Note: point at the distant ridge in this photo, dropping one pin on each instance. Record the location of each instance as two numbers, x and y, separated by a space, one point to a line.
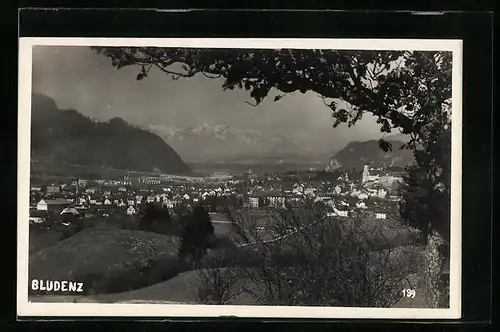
357 154
68 137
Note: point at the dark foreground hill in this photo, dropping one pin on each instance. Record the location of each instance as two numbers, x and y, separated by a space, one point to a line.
68 137
357 154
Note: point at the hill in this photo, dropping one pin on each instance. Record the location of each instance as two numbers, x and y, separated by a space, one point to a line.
357 154
68 137
108 260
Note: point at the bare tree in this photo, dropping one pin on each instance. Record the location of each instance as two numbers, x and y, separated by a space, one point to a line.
218 283
318 260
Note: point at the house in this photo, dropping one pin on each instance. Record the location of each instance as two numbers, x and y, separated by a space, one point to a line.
38 216
294 199
52 205
253 201
169 204
338 190
361 205
362 196
380 216
310 191
53 189
107 202
275 198
69 211
131 210
341 213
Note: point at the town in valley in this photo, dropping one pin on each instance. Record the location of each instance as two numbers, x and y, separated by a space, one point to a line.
373 190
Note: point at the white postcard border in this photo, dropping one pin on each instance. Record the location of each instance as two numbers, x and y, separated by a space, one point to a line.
26 308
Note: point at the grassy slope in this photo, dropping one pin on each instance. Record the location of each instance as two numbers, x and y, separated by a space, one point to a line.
41 240
99 251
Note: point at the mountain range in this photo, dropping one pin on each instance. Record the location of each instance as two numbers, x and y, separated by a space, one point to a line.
68 137
226 144
223 143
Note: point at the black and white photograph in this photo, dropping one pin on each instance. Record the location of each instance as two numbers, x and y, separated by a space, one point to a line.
315 178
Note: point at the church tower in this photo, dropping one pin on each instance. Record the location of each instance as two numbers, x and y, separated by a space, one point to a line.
366 174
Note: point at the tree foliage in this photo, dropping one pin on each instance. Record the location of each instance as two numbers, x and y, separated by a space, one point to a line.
425 191
155 218
197 233
403 89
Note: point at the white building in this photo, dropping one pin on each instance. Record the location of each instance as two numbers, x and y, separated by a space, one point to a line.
131 210
366 175
54 205
338 190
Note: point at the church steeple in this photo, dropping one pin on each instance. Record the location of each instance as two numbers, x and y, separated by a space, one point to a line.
366 174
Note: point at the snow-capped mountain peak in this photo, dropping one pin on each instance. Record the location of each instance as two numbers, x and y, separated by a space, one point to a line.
221 140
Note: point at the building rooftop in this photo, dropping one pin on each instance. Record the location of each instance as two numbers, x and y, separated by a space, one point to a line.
55 201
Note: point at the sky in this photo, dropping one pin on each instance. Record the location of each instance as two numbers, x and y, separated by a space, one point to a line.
78 78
